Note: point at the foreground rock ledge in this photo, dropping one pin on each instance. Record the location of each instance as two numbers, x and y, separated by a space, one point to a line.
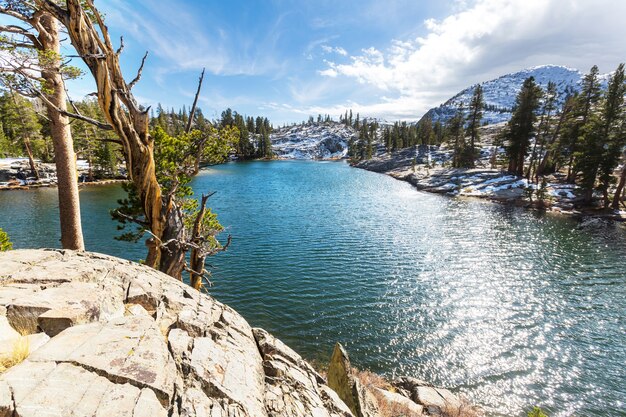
108 337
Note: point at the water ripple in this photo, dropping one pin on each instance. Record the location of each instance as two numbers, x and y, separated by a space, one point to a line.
511 308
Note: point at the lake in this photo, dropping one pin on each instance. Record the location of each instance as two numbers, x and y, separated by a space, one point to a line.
510 307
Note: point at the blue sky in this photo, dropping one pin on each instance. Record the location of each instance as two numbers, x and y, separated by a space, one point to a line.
391 59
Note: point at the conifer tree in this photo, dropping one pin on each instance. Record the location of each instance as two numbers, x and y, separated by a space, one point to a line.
473 123
425 131
36 68
543 131
5 243
521 128
456 135
602 139
585 104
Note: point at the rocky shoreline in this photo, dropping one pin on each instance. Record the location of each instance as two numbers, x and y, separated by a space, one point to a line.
86 334
15 174
425 168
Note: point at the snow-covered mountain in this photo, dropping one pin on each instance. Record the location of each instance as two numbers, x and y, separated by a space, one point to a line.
315 141
500 94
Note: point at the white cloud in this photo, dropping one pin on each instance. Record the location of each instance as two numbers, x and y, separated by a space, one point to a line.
483 39
334 50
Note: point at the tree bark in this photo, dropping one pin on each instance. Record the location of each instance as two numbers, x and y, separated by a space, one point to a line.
65 158
192 112
31 160
131 124
620 188
196 258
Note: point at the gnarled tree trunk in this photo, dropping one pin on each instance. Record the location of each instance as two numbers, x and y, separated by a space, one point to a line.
131 124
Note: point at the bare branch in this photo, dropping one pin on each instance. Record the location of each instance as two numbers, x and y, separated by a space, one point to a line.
222 249
195 103
121 48
132 219
139 71
13 13
95 56
18 30
103 27
116 141
51 7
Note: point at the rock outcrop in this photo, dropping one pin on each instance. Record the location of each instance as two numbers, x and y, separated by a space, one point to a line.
84 334
341 379
316 141
113 338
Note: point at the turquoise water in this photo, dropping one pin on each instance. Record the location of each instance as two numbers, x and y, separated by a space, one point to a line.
509 307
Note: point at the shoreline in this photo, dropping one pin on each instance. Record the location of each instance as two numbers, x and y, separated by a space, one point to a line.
439 182
27 187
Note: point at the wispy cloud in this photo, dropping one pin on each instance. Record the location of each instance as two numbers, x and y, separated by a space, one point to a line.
184 42
334 50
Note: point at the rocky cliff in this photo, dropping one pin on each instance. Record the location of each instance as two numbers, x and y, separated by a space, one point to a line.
84 334
315 141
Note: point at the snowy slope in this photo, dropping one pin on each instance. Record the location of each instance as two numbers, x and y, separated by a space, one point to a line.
501 92
316 141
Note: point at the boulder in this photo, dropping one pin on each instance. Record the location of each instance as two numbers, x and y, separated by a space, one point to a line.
293 386
435 401
396 404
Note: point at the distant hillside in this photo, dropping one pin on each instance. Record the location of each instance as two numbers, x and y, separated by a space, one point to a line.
314 141
500 93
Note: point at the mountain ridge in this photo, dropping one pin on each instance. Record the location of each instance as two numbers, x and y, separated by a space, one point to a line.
500 93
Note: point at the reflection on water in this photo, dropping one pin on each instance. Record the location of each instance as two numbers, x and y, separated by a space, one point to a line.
509 307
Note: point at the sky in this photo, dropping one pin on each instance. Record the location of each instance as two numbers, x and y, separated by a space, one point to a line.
390 59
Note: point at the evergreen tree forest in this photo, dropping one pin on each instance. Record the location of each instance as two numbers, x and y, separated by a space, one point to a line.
584 139
580 137
25 132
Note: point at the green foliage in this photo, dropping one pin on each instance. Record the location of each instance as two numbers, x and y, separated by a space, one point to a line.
20 124
173 156
175 162
521 127
210 227
536 412
24 54
95 145
601 136
456 136
542 191
467 154
5 243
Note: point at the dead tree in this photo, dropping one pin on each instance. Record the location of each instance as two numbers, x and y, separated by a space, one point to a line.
202 243
162 215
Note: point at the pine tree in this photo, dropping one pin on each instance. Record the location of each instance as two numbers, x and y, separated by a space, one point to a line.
21 126
549 105
521 127
267 145
425 131
473 124
456 136
585 104
602 139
